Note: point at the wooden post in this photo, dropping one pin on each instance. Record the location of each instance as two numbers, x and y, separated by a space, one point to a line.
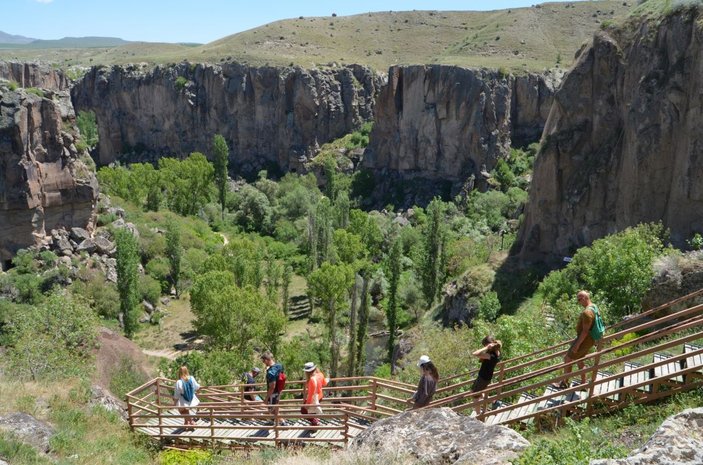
161 423
346 428
212 429
275 427
374 388
241 394
501 377
129 413
158 392
594 375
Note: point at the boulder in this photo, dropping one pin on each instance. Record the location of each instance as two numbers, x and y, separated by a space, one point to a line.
442 436
87 245
678 441
28 429
100 396
79 234
104 246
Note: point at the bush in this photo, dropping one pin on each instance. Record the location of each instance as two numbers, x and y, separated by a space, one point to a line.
35 91
149 290
88 127
185 457
181 83
489 306
53 339
100 294
13 85
617 267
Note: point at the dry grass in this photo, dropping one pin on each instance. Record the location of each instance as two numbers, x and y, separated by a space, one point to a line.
170 333
520 39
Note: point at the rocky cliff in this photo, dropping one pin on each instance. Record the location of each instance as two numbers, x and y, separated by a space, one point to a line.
445 124
270 117
39 75
623 143
43 183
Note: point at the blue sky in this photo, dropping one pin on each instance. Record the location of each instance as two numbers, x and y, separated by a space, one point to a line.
191 20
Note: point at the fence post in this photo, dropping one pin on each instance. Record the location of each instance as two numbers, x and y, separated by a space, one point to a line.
212 429
275 427
594 375
501 377
241 394
129 413
374 388
161 422
346 428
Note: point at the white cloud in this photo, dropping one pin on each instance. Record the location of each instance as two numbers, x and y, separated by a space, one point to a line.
44 1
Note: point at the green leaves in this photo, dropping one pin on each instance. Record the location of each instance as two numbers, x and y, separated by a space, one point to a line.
127 259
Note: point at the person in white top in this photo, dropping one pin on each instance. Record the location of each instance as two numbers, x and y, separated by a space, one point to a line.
184 395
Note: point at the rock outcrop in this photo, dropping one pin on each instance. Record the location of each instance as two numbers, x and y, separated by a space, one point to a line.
43 183
623 143
41 75
678 441
442 436
28 429
270 117
438 127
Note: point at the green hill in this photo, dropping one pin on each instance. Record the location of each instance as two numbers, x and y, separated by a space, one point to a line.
522 38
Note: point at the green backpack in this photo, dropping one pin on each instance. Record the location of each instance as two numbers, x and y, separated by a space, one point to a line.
598 327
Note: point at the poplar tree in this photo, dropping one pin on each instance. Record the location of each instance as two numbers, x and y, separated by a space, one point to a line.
220 162
127 275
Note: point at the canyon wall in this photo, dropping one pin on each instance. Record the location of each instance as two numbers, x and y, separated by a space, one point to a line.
271 117
40 75
43 183
438 126
623 143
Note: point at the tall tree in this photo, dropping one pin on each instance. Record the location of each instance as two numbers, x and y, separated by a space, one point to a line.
331 283
220 159
363 322
127 275
188 182
392 309
285 287
434 238
352 325
174 253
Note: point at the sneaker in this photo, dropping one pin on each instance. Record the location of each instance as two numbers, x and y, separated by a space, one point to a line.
559 386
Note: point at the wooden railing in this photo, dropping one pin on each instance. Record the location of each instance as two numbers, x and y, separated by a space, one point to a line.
350 404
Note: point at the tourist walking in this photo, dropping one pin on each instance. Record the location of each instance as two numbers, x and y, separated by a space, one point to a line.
184 395
314 382
275 381
584 339
250 381
427 385
489 355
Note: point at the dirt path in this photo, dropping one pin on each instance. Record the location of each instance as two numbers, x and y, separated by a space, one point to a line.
224 238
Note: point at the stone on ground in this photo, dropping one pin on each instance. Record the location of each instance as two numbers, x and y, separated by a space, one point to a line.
28 429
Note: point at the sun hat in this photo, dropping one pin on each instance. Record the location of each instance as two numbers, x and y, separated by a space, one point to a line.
424 359
256 370
308 367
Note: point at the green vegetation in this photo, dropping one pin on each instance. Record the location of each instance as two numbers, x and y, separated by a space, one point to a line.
127 280
88 127
35 91
530 38
181 83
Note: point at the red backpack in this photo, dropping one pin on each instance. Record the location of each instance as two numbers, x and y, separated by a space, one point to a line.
280 382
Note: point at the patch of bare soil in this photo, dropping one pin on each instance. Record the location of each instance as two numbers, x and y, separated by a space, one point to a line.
113 350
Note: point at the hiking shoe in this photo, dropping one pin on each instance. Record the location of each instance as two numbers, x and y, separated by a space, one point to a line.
559 386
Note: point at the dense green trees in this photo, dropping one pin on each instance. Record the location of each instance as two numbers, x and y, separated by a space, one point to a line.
435 241
127 260
220 161
88 127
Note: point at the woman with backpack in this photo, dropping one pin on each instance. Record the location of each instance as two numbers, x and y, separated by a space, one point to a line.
427 385
489 355
184 395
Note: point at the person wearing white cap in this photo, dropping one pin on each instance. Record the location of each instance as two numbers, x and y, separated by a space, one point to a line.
314 383
427 385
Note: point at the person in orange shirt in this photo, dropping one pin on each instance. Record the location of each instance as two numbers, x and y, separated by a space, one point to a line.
315 381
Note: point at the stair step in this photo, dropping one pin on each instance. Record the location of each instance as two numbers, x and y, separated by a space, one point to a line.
635 378
694 360
609 386
551 402
668 370
501 417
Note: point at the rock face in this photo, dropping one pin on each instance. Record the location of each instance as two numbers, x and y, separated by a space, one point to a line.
28 429
623 143
43 183
446 124
678 441
270 117
442 436
39 75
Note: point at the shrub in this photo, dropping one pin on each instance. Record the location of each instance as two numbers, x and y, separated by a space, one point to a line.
88 127
36 91
185 457
100 294
181 83
12 85
149 289
617 267
489 306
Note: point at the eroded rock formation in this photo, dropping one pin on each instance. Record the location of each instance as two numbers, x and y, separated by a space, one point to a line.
39 75
623 143
270 117
440 435
678 441
43 183
442 125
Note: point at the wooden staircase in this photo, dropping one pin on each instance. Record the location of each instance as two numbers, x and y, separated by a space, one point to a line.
665 358
299 307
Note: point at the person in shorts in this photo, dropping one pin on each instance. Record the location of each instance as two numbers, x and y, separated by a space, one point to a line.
583 342
489 355
250 381
273 370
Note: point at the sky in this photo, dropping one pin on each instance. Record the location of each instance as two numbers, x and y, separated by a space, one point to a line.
199 21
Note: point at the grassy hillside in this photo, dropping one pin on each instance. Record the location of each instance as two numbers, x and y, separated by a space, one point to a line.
525 38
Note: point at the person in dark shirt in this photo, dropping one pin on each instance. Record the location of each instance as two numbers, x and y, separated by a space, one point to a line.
489 355
427 385
250 380
273 370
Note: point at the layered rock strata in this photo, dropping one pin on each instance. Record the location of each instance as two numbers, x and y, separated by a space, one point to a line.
623 143
270 117
446 125
39 75
43 183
